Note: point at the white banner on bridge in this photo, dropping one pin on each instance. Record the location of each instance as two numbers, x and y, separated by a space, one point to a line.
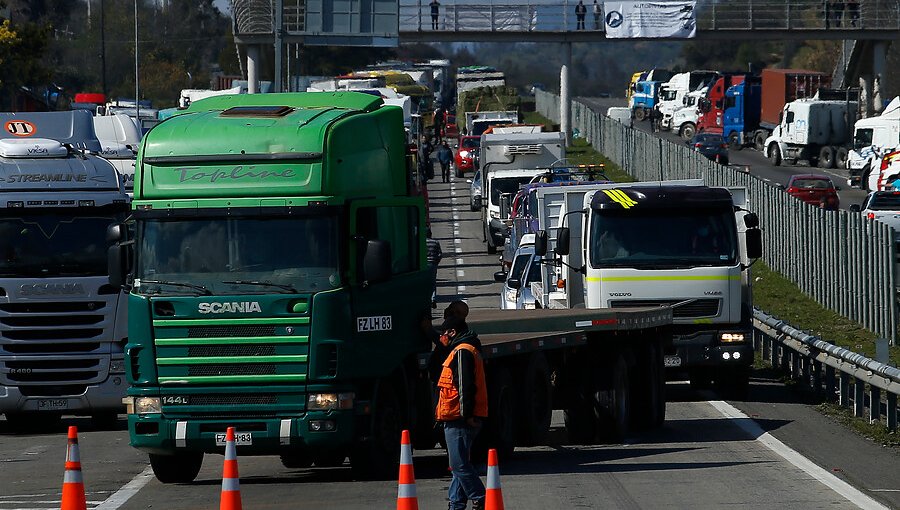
660 19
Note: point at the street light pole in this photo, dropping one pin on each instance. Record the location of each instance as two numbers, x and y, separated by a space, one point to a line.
137 103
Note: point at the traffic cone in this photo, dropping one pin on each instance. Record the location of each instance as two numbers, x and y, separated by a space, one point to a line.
231 485
73 484
493 497
406 491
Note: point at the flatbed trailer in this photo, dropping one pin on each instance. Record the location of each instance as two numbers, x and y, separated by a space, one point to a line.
603 367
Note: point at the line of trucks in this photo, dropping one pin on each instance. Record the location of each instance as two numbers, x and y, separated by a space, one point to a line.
789 114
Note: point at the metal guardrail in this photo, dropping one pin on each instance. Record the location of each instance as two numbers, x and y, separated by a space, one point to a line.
844 261
868 387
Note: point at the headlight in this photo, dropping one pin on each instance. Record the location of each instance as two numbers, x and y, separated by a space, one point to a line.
116 366
464 154
731 338
329 401
511 295
495 215
146 405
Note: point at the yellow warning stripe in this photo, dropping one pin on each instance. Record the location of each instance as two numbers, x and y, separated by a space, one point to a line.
618 196
736 277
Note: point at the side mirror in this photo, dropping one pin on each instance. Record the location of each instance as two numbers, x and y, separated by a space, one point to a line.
562 241
478 202
504 206
514 283
117 265
751 220
540 243
116 233
855 208
837 188
754 243
377 261
499 277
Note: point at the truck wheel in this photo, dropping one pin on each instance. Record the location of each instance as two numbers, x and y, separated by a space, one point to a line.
734 141
826 157
640 114
734 383
378 456
614 421
500 428
759 140
179 468
650 391
580 418
300 460
687 131
536 407
424 432
840 157
775 154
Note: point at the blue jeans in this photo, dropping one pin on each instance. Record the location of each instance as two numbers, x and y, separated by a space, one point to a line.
465 485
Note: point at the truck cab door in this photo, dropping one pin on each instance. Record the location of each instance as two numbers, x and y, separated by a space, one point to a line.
386 314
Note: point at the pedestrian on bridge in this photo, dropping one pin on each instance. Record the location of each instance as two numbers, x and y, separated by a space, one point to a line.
580 12
853 12
435 12
598 14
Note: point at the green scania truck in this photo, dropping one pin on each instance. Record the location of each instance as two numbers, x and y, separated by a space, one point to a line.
276 276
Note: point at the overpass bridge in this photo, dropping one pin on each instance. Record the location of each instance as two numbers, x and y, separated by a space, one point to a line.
259 25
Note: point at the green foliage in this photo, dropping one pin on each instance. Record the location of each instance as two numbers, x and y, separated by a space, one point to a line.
484 99
20 58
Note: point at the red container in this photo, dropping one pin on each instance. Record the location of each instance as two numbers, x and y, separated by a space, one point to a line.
90 97
781 86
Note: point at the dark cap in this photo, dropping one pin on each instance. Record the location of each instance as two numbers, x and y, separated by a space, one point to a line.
454 322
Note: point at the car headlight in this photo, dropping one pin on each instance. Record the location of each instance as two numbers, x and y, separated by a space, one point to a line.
495 215
147 405
116 366
464 154
329 401
511 295
731 338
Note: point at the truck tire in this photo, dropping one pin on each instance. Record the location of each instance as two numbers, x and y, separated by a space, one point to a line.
840 157
300 460
499 430
734 142
650 390
640 114
580 418
774 154
826 157
377 458
616 399
536 405
181 467
759 140
687 131
733 383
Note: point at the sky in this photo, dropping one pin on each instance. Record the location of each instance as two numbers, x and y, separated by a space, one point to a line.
224 6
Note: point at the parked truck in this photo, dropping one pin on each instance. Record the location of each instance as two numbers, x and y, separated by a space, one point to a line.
119 140
673 92
644 99
684 120
712 106
873 138
62 326
671 243
507 162
283 292
813 130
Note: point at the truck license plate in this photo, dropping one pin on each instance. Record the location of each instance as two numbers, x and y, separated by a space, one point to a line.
53 404
672 361
240 438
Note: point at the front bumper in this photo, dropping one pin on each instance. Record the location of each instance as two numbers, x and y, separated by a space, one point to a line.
103 397
158 434
703 349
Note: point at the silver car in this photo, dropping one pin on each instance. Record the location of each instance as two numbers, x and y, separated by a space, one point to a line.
475 194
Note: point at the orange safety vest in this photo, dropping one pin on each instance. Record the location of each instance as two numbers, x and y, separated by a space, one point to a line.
448 401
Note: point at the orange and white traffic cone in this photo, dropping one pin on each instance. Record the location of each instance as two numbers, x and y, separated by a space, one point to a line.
406 491
493 498
231 485
73 484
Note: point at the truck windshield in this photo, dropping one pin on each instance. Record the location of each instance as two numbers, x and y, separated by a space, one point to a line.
37 243
503 185
245 255
663 239
862 138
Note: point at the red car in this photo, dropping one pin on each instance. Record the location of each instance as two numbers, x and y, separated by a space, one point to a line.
817 190
467 154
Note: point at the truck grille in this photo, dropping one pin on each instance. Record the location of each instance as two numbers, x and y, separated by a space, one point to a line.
54 348
694 309
232 331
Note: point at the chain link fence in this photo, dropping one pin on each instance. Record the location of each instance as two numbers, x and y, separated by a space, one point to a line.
844 261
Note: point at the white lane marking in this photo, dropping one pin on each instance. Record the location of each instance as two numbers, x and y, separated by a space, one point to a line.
459 261
459 250
452 192
460 288
127 491
457 241
460 272
455 216
852 494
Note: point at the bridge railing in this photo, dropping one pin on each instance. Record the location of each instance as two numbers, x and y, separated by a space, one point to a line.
844 261
559 16
868 387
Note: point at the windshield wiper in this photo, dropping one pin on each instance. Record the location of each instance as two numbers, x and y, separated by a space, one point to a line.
284 286
199 288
